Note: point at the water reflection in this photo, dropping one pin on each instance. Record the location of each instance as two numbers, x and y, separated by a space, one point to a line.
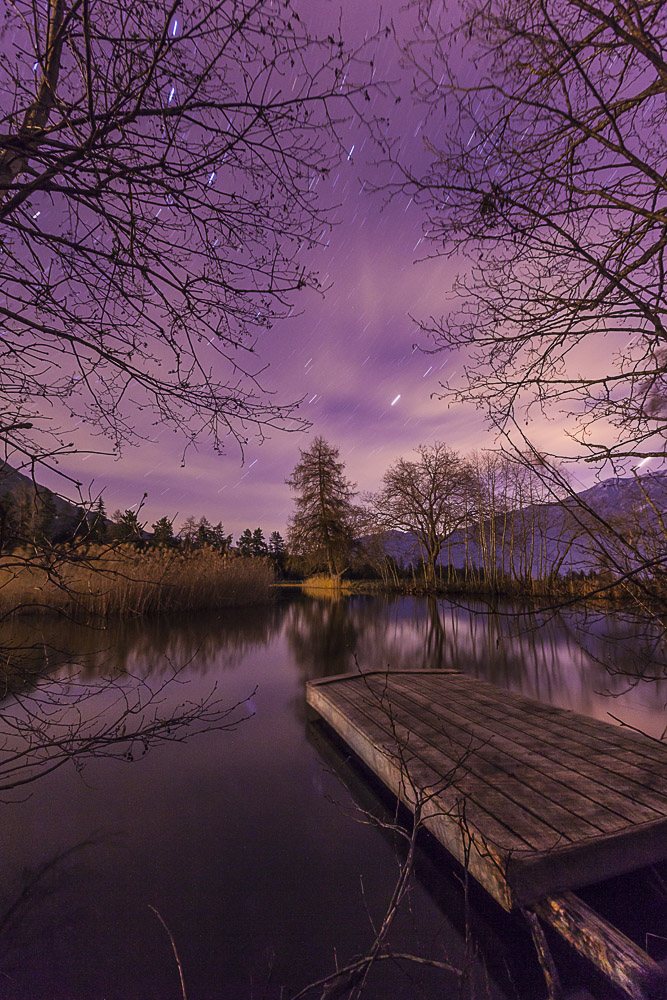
141 646
581 660
242 840
586 661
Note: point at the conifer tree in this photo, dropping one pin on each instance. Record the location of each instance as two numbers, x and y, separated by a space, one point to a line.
98 523
259 545
127 526
245 543
220 540
163 531
276 545
322 528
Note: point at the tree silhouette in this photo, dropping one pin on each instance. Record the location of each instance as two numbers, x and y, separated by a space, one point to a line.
163 532
321 530
158 163
550 184
429 497
126 526
245 543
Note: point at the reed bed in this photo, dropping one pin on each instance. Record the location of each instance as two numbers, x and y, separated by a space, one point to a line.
323 585
124 581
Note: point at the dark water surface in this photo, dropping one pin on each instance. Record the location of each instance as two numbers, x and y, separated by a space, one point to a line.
250 844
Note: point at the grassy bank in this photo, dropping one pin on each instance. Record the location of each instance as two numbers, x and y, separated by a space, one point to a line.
552 589
126 581
595 588
328 584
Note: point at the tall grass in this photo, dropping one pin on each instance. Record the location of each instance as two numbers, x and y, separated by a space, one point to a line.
323 585
125 581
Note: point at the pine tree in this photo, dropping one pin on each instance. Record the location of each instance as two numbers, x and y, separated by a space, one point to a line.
204 532
277 550
259 546
163 531
98 523
322 528
276 545
127 526
220 541
245 543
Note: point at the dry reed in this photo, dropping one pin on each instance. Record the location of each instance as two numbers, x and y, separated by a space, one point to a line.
126 581
326 584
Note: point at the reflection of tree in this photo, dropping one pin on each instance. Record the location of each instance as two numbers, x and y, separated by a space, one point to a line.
123 692
154 644
68 719
205 642
434 648
575 658
29 911
323 636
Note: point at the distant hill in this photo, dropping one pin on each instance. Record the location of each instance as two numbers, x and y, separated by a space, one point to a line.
67 513
566 537
614 496
11 480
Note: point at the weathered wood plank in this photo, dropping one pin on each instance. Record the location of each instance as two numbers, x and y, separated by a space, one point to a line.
628 775
450 777
611 951
448 743
496 777
483 864
614 790
545 778
646 754
522 785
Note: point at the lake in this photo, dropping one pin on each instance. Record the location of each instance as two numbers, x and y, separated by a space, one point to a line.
253 847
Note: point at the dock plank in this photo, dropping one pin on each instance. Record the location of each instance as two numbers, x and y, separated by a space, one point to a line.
533 794
451 770
649 756
534 799
623 789
627 772
546 777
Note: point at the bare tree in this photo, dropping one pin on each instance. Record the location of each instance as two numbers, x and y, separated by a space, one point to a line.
429 497
158 171
550 179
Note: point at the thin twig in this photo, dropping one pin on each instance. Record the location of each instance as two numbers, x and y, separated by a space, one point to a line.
173 948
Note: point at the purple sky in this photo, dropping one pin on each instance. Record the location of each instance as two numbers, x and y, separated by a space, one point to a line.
350 353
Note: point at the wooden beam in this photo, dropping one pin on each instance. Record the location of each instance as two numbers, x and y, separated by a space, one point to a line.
547 964
615 955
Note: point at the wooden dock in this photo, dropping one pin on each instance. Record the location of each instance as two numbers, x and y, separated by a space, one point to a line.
535 801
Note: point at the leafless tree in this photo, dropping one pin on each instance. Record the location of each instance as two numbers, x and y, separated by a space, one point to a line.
429 497
159 165
549 177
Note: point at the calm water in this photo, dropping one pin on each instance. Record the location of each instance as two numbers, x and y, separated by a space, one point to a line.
251 843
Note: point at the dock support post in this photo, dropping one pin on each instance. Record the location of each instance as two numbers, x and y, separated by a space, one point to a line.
619 958
547 964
